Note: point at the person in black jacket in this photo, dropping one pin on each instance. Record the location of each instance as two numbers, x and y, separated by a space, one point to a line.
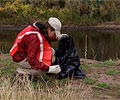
68 59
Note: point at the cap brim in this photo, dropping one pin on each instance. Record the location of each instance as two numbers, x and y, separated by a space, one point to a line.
58 33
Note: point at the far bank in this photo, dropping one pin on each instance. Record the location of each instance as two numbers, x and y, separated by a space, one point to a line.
99 27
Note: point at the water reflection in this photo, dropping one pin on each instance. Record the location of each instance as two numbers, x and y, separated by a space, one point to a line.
99 45
89 44
6 40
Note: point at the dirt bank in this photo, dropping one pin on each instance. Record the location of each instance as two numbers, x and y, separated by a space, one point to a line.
102 80
91 28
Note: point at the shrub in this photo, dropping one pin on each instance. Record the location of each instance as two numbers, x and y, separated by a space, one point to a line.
69 11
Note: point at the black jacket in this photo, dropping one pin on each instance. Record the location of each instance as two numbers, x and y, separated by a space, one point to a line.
68 59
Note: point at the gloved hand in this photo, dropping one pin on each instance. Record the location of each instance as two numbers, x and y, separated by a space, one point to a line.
55 69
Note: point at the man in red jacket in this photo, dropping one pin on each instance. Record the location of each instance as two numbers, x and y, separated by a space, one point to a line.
32 49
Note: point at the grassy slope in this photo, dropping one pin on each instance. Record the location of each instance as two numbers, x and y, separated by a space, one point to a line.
102 82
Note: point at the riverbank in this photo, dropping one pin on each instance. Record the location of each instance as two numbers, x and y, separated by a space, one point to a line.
102 82
100 27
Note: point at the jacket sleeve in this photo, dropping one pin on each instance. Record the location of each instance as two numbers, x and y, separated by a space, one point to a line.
32 45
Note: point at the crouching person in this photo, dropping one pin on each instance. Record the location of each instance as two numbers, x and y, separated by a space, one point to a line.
68 59
32 49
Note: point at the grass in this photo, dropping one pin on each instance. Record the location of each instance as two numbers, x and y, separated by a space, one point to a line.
110 72
7 66
106 63
17 88
85 67
88 80
21 88
102 85
113 91
25 90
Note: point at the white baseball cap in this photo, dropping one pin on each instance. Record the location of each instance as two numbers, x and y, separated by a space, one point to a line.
56 24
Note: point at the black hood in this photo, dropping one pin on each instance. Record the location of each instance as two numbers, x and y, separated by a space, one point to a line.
41 27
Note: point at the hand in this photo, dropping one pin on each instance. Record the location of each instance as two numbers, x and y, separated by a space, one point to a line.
55 69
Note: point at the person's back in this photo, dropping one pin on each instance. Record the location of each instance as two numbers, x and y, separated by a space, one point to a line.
32 46
25 43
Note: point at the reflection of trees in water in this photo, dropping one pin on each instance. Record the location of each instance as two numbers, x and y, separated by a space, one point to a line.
100 45
89 44
97 43
103 44
6 40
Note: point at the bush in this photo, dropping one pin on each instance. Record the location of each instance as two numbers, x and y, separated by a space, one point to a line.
69 11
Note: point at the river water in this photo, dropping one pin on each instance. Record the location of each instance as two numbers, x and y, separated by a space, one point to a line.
89 44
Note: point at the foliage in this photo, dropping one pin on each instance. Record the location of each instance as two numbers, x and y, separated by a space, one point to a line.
69 11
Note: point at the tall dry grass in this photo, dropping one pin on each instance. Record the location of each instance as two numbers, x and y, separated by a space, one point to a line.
24 90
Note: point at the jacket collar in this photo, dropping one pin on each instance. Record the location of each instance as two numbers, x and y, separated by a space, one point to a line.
34 24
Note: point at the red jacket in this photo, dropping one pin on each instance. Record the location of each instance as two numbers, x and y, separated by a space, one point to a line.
32 44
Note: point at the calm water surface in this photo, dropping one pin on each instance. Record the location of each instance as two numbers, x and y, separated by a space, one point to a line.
89 44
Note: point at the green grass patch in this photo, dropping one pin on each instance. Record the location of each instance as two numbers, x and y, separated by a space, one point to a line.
106 63
7 66
110 72
88 80
6 61
102 85
84 67
114 91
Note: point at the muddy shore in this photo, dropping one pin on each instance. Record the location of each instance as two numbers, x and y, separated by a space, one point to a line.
113 28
